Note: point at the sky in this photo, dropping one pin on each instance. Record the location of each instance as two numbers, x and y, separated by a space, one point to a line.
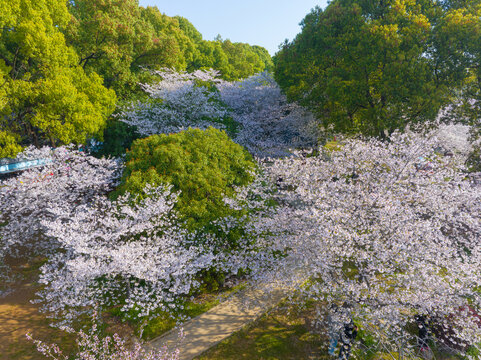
258 22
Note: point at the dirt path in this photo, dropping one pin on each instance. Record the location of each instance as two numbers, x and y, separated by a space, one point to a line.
18 317
208 329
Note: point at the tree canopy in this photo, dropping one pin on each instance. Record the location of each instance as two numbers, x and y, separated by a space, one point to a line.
116 39
374 65
45 96
205 165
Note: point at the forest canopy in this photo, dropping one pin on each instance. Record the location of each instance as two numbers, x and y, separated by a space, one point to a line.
65 65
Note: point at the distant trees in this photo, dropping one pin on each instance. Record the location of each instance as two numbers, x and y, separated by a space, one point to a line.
178 101
58 60
371 66
254 112
116 38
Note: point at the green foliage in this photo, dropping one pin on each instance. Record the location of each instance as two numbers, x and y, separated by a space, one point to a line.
189 29
367 348
117 39
473 352
210 55
457 42
283 333
57 58
234 60
44 95
204 165
117 138
174 48
366 66
474 160
244 60
9 146
265 57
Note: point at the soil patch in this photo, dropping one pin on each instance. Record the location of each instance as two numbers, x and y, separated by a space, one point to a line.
19 317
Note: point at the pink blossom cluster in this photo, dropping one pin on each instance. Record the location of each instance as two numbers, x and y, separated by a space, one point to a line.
267 125
72 178
382 235
270 126
178 101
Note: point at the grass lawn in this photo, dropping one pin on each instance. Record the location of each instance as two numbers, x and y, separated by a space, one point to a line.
284 333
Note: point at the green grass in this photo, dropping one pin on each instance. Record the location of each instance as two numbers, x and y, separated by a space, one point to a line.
285 333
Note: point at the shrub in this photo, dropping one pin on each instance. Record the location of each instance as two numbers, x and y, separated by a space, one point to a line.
205 165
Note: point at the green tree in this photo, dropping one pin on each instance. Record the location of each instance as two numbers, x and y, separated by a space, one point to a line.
369 66
457 42
210 55
117 38
44 95
244 61
117 138
104 33
265 57
189 29
179 48
205 165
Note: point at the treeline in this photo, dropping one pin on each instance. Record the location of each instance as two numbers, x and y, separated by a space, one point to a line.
65 65
374 66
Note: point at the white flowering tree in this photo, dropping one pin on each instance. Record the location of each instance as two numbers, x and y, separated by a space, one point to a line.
269 126
123 252
254 111
135 253
69 178
392 230
178 101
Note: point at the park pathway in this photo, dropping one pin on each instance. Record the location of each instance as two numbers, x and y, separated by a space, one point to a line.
215 325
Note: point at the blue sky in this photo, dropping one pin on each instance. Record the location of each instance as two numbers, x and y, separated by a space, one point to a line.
257 22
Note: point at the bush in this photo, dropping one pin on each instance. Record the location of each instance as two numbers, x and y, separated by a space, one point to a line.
205 165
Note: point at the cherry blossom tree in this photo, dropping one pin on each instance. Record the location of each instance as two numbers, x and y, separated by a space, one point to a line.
392 230
136 253
178 101
69 178
266 124
269 125
123 252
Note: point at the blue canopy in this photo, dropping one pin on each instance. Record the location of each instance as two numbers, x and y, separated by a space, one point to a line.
19 165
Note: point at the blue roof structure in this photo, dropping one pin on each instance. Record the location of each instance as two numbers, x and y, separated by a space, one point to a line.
13 165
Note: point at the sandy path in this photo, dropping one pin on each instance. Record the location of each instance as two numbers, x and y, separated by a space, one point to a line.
17 317
215 325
